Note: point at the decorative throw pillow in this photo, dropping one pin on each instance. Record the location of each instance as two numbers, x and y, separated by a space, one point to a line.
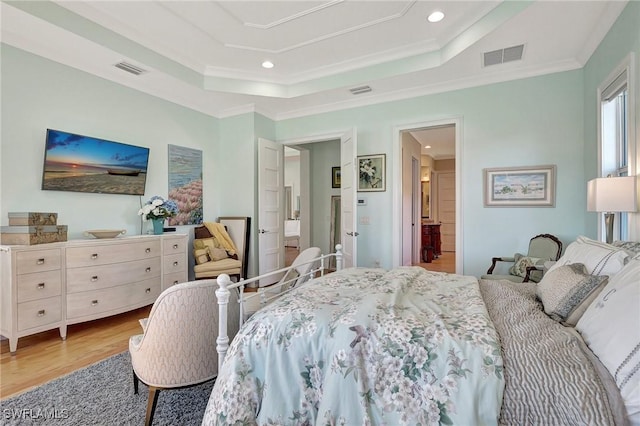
599 258
610 329
201 255
566 292
631 247
519 268
201 243
218 254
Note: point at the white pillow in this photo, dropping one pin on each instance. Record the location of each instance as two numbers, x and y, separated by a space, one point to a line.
611 328
599 258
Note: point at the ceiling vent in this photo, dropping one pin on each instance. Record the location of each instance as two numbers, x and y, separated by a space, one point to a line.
360 90
133 69
500 56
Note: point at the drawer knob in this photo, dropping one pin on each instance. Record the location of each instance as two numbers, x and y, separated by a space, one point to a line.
148 291
148 269
175 247
148 250
40 286
175 263
41 313
94 303
94 278
40 261
94 256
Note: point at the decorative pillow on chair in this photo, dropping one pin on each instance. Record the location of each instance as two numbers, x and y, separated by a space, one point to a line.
599 258
201 255
201 243
519 268
217 254
567 291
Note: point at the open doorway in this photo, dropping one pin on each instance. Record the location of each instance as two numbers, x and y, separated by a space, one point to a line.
434 223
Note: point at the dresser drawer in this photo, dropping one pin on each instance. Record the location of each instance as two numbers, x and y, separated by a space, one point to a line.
40 312
39 285
37 261
174 263
174 245
104 276
111 253
172 279
93 303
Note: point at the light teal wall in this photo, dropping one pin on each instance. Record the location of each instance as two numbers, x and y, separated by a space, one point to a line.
237 165
623 38
38 94
323 156
526 122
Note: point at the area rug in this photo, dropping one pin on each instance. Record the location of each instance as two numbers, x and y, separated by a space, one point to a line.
102 394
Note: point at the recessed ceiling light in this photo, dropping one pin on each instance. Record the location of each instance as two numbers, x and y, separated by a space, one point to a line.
427 146
436 16
267 64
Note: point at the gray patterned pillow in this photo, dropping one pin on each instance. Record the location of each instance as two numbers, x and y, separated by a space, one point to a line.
631 247
567 291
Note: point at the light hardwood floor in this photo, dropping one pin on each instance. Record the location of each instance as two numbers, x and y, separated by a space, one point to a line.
43 357
446 262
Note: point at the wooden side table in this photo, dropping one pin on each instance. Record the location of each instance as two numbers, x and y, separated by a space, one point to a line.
431 243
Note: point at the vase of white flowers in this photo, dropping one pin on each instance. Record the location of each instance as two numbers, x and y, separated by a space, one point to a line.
157 210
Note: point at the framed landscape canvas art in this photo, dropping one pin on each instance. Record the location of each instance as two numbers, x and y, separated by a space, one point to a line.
520 186
185 184
372 173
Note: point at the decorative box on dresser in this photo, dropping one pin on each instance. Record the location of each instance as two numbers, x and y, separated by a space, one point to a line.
57 284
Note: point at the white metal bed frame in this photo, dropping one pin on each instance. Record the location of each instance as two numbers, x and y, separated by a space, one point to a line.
266 294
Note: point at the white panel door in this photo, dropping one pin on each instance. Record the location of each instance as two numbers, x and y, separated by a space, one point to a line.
348 182
447 209
411 201
270 207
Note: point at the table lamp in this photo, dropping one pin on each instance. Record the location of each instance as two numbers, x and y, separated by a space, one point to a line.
610 195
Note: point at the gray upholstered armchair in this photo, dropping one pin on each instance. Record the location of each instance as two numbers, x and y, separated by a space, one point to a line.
178 345
529 267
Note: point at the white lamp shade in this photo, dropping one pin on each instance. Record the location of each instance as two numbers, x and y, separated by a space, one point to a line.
612 194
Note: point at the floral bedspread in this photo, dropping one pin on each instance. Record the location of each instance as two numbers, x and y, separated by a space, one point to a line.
365 347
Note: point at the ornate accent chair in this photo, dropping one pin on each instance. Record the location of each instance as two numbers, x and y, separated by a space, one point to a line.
528 267
178 345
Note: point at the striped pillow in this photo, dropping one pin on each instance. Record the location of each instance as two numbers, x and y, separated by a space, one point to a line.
567 291
599 258
610 329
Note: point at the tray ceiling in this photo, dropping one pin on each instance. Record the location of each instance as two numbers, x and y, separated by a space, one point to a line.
207 55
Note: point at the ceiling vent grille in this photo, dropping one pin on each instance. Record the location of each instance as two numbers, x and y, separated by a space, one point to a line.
133 69
500 56
360 90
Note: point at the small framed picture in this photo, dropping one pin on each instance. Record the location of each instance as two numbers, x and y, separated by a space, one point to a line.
520 186
335 177
372 173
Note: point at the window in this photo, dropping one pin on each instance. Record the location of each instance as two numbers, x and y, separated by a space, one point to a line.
614 112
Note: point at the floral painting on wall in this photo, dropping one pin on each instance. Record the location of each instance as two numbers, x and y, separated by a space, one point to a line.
372 173
185 184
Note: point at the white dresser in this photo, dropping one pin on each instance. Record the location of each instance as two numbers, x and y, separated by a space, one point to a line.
53 285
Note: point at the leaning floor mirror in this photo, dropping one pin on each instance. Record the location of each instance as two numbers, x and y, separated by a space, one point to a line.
239 228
